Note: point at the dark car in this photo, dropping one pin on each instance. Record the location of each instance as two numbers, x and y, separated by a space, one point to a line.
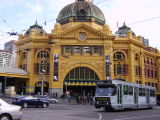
29 101
47 98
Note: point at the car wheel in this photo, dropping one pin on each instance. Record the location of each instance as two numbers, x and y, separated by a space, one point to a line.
5 117
53 102
25 105
44 105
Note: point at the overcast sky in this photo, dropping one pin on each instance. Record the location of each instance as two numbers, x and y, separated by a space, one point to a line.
143 16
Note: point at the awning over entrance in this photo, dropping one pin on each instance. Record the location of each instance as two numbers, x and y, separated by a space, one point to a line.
13 72
80 83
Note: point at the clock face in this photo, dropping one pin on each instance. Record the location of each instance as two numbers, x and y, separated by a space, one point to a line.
82 36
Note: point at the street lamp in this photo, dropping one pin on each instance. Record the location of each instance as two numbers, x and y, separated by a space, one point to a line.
43 72
43 75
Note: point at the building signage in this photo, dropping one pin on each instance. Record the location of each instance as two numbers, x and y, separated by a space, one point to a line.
56 58
107 61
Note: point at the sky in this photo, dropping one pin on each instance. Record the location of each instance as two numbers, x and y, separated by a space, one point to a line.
142 16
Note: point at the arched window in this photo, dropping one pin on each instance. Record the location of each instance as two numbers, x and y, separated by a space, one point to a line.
43 54
151 61
44 65
147 60
137 58
81 73
23 64
24 56
42 62
119 56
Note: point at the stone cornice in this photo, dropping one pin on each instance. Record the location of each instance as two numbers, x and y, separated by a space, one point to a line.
128 41
83 26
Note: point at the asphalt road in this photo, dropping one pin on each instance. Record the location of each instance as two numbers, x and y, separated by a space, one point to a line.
72 111
86 112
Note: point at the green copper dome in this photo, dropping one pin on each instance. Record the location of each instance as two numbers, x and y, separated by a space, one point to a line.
122 31
81 11
36 27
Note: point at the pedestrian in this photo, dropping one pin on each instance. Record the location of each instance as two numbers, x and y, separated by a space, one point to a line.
78 98
68 96
56 95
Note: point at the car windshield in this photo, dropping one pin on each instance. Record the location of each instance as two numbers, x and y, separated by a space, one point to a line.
105 91
29 97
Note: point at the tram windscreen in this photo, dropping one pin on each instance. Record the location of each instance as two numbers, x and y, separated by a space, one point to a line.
105 90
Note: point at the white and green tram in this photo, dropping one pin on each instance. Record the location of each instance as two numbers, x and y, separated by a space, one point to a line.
119 95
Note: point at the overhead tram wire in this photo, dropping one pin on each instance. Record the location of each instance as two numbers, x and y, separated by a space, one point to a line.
12 33
148 19
4 21
141 21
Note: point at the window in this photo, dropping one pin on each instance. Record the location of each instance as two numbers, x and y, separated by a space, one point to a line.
125 89
140 91
152 93
151 62
67 49
77 49
137 57
24 56
155 74
81 73
119 69
96 50
130 90
86 49
148 72
43 54
119 56
147 60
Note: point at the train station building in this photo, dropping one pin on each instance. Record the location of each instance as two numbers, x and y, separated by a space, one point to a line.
73 56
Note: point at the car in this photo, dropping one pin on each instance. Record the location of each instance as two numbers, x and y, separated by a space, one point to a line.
47 98
30 101
9 112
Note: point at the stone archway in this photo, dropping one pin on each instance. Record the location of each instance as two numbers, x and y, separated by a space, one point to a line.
81 80
38 86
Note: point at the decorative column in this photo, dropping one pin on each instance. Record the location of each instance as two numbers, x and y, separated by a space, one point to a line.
131 66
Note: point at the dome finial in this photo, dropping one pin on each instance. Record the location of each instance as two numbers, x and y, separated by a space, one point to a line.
36 23
124 23
85 0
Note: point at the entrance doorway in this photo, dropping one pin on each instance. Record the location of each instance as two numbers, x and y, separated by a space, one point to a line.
80 90
38 86
81 80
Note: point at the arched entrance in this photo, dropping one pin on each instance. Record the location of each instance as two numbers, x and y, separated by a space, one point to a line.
38 86
81 80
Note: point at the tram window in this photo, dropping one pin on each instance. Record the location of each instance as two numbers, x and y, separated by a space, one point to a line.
125 89
140 91
152 93
106 91
130 90
143 92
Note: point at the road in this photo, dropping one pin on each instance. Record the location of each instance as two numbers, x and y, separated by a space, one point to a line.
72 111
86 112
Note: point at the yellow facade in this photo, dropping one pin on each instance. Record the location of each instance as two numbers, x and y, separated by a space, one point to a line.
135 55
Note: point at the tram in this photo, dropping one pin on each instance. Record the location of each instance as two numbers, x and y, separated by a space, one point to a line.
120 95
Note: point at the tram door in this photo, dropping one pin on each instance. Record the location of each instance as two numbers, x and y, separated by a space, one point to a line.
119 95
147 97
136 97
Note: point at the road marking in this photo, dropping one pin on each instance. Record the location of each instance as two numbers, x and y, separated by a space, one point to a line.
137 117
100 116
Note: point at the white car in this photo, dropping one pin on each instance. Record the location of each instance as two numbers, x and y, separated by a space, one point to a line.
9 112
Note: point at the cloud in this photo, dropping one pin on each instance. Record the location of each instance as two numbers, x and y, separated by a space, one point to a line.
34 8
